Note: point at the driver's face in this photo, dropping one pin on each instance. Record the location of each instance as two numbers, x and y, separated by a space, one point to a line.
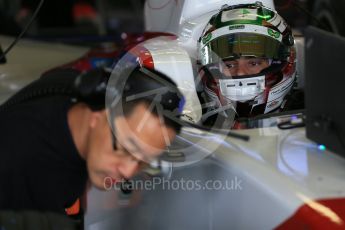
243 66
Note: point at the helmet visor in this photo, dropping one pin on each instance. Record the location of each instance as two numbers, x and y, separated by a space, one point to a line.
234 46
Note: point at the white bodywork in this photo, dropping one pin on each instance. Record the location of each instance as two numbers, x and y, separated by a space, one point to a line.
170 58
171 15
279 171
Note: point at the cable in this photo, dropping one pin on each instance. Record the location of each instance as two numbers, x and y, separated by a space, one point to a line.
23 31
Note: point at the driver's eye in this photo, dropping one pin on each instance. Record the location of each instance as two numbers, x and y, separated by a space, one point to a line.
230 65
255 63
259 62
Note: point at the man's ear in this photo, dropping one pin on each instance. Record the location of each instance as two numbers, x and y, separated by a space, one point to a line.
97 118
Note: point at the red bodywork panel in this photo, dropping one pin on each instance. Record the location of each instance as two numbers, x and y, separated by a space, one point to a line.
318 215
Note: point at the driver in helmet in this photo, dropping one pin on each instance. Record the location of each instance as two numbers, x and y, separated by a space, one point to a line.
248 62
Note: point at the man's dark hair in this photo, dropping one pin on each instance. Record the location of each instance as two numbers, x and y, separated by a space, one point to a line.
157 91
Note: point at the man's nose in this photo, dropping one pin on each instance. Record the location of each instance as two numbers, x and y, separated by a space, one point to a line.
241 70
129 168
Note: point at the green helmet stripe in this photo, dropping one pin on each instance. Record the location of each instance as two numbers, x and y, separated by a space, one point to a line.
240 28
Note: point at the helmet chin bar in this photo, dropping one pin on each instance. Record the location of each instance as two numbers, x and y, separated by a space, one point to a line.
243 89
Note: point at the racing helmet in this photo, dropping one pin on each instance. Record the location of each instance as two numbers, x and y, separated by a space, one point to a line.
247 57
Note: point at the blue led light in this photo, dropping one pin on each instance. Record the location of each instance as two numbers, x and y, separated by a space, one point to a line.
294 117
322 147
